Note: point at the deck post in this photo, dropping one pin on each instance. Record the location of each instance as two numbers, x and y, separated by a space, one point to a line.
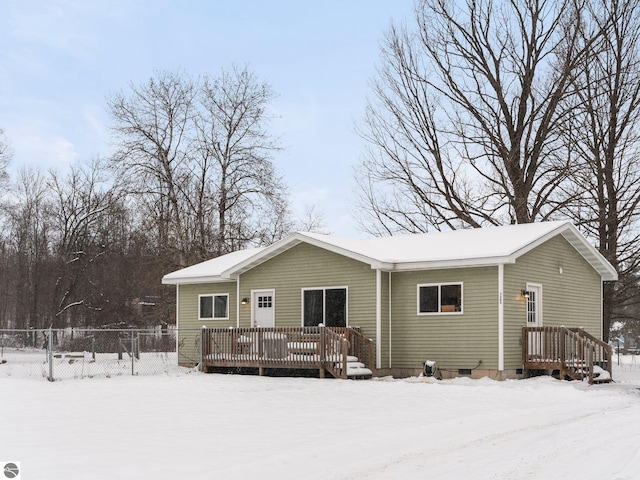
323 347
202 348
525 346
261 371
562 338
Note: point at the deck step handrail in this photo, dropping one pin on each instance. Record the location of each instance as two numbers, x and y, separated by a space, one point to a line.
336 353
361 347
572 351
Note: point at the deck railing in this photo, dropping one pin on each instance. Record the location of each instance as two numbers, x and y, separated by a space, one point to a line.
572 351
336 353
324 348
360 347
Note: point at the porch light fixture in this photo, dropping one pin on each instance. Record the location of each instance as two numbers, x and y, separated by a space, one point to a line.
524 293
245 301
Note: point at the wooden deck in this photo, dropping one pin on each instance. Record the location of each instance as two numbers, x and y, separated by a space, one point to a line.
341 352
574 353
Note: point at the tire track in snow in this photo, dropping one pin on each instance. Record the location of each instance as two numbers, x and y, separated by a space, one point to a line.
538 443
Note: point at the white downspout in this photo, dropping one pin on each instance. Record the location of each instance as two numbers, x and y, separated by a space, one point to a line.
501 317
378 319
389 319
602 309
178 319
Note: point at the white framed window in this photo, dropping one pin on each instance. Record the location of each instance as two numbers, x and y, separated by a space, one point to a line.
440 298
213 307
326 305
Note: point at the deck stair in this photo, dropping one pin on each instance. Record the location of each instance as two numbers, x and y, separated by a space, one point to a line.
572 352
357 369
340 359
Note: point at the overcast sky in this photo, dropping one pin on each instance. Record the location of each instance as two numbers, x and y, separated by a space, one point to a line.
61 59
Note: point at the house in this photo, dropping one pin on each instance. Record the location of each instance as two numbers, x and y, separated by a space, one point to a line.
460 298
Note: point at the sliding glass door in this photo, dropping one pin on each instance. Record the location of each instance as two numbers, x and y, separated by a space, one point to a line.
325 305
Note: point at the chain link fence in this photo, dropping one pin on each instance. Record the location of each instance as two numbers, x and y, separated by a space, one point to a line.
57 354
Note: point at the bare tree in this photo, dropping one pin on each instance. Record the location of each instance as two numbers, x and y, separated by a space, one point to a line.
151 127
30 240
5 158
312 221
81 202
465 126
199 158
605 143
237 149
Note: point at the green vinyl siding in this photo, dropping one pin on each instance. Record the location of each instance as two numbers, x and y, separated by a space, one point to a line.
188 323
306 266
465 340
571 298
454 340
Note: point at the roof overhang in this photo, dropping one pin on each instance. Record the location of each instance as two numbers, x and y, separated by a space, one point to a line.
251 260
454 263
290 242
572 235
194 280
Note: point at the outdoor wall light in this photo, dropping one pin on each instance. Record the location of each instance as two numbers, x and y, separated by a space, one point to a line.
524 293
245 301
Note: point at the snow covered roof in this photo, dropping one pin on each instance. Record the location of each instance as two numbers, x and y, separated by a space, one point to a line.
211 270
450 249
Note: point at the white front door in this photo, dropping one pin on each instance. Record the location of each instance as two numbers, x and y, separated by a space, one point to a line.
534 305
534 318
264 307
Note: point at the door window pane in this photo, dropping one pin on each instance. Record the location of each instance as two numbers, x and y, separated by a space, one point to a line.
265 301
313 308
327 306
336 307
531 307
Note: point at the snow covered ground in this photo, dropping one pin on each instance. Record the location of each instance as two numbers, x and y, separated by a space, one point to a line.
187 425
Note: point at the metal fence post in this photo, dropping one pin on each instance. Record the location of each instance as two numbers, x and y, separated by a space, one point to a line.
133 357
50 345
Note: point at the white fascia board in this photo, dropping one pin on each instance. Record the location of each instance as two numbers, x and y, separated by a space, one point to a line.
383 266
540 240
375 263
293 240
194 280
590 254
271 251
572 235
461 263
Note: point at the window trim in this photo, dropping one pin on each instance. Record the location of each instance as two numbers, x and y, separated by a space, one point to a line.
324 302
213 305
439 285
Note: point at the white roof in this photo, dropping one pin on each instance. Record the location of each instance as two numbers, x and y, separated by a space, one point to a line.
450 249
211 270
